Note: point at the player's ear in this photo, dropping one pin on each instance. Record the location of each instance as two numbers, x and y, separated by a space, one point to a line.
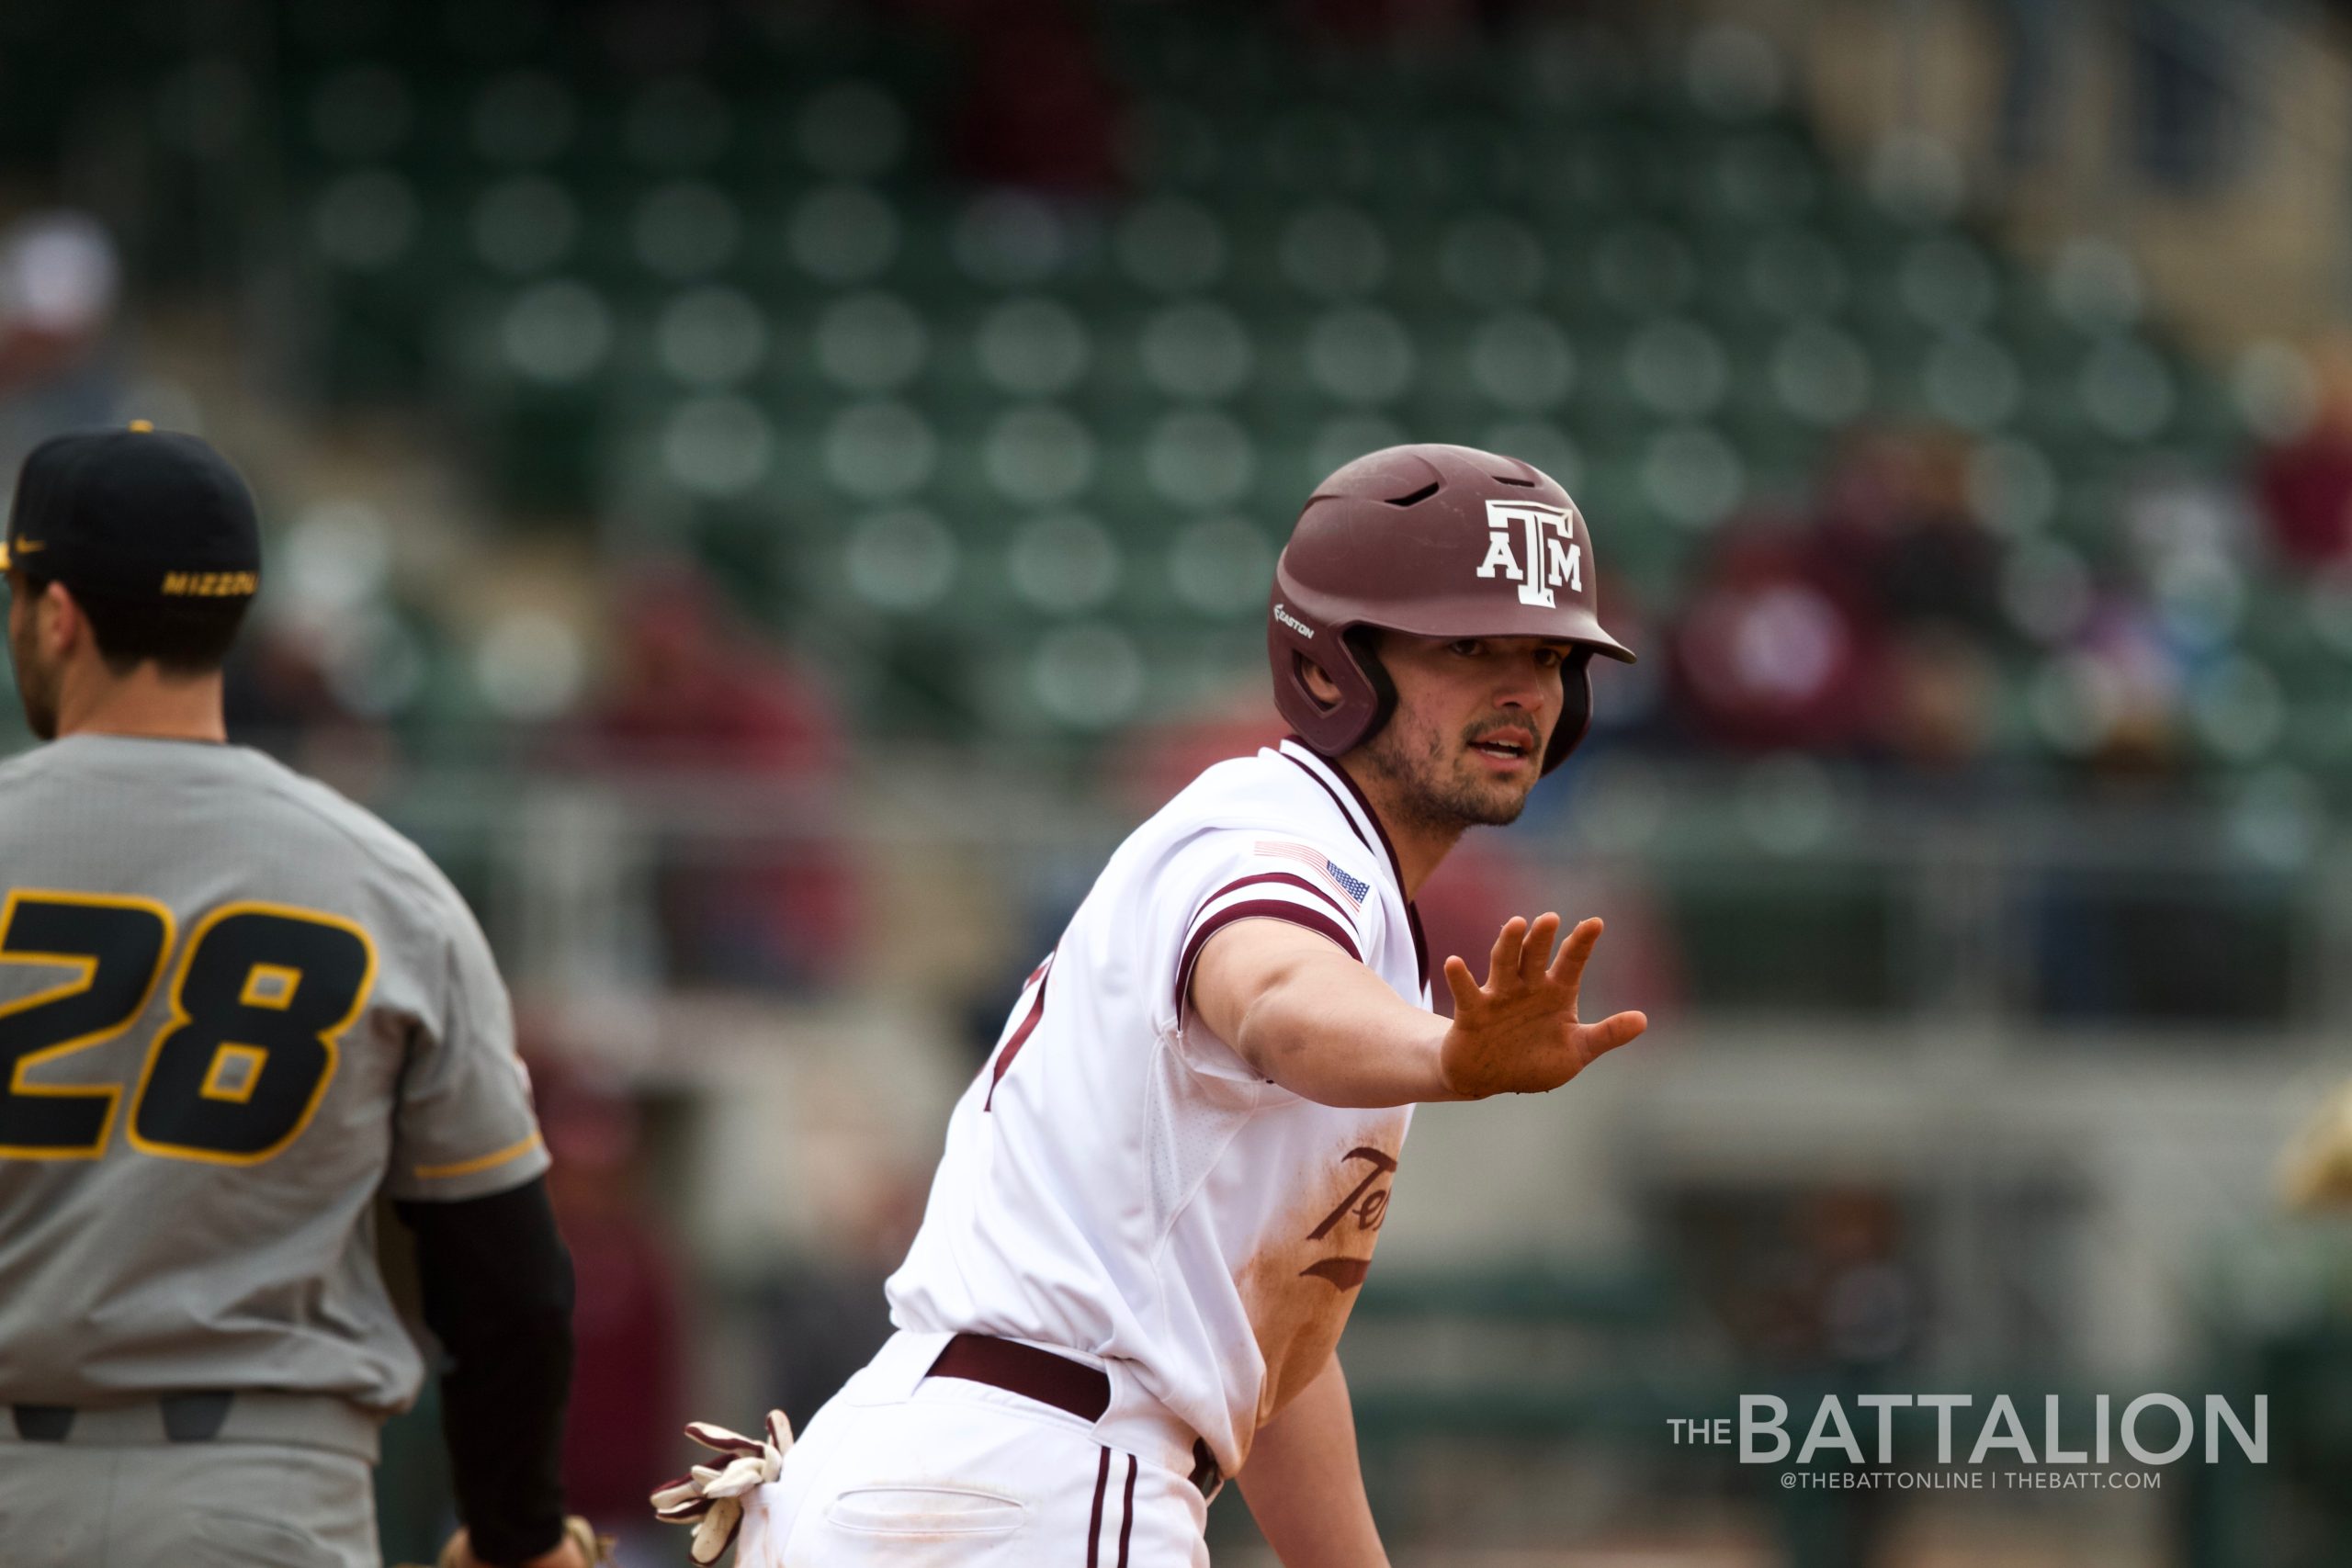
1319 686
58 623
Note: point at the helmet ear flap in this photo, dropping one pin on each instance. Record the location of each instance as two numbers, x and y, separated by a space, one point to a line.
1363 647
1367 697
1576 708
1329 728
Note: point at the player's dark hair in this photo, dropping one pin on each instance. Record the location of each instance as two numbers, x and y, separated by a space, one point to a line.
183 636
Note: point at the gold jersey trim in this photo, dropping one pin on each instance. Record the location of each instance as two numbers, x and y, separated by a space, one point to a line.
480 1162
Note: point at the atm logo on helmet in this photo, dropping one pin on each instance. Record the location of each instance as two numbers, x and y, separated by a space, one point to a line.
1551 558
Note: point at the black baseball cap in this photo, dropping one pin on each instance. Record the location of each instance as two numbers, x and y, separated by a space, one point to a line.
135 513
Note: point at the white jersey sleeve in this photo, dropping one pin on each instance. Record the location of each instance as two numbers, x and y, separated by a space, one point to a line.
1226 876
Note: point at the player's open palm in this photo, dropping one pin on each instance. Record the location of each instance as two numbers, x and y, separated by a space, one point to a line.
1519 1032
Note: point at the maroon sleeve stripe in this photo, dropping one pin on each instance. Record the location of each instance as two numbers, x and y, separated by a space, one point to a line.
1251 909
1021 1035
1293 879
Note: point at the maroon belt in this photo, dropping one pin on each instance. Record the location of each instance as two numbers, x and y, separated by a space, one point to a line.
1041 1375
1025 1370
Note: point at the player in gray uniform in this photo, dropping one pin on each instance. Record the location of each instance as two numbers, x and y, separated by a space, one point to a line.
233 1007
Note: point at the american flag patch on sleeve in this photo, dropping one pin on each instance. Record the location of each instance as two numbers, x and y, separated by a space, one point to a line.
1315 860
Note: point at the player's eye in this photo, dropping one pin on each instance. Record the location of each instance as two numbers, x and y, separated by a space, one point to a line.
1548 658
1465 648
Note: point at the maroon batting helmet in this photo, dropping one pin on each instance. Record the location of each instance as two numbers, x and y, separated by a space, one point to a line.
1438 541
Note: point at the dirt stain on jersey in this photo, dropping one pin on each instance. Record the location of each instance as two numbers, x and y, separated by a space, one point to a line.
1300 1289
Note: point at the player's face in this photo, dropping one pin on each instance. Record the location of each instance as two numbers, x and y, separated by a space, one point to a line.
37 681
1473 716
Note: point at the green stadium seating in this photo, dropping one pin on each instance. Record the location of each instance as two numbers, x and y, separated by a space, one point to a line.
750 288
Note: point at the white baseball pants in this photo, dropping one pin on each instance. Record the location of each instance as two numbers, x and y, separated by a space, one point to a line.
900 1468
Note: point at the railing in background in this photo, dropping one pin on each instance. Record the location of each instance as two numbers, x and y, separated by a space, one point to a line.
1778 887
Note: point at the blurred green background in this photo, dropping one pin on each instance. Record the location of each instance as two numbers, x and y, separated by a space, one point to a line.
769 493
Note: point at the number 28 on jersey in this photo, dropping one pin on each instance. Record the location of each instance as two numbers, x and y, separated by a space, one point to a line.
259 999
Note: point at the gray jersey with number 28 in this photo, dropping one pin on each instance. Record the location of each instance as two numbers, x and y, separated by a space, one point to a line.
233 1007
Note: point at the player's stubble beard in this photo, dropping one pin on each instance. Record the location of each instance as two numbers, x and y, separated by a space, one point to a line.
36 686
1431 784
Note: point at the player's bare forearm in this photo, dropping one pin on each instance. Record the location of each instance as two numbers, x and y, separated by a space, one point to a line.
1324 1027
1303 1013
1305 1485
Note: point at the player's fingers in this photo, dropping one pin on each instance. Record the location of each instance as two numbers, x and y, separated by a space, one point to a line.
1568 967
1503 962
1537 953
1617 1029
1462 984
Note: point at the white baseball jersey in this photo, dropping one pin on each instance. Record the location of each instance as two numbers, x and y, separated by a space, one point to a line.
1117 1182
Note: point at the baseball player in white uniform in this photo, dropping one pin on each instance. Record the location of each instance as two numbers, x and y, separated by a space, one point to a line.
1160 1196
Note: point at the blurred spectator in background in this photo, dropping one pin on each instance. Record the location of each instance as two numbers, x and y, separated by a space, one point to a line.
1480 885
2187 93
282 696
2188 543
1855 1304
2184 102
1894 516
1815 1279
1941 691
1161 754
282 687
1863 1299
2127 679
694 689
828 1314
2035 42
628 1392
2304 483
1039 108
1869 629
695 692
1818 1285
59 277
1634 705
1774 651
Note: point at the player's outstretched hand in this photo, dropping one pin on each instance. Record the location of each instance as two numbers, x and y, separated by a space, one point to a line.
1519 1033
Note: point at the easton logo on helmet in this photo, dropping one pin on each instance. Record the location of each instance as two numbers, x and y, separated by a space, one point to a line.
1554 558
1294 623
